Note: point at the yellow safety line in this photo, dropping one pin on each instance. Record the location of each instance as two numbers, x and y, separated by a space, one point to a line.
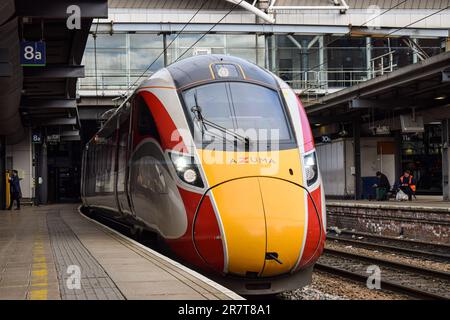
39 273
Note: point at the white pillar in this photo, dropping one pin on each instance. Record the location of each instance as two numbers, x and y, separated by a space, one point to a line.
323 77
369 57
446 159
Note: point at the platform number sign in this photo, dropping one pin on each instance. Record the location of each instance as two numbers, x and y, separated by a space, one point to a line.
36 137
32 53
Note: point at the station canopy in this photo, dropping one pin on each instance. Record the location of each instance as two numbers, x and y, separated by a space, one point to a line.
44 93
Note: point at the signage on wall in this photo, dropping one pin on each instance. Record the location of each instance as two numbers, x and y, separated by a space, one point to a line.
32 53
36 137
326 139
53 139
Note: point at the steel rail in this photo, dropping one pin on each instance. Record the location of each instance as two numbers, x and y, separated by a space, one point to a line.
391 247
386 284
392 264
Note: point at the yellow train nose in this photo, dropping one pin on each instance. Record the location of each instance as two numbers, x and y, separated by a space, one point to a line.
264 222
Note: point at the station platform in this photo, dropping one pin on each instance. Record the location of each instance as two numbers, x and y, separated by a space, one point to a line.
426 218
45 250
422 203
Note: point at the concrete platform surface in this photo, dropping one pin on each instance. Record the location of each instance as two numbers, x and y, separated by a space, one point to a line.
54 252
422 203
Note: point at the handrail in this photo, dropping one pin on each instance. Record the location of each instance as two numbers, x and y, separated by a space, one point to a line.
383 55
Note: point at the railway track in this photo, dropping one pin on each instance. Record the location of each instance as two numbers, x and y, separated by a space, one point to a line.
414 281
438 252
417 282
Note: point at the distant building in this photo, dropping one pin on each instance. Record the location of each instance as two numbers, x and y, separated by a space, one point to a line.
317 46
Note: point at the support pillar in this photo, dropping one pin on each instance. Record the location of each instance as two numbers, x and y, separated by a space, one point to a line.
415 55
36 163
398 154
305 57
2 173
270 61
43 173
165 49
369 57
323 76
357 157
446 159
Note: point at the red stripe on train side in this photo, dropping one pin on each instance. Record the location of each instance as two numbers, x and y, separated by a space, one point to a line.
207 230
207 236
170 137
312 251
308 139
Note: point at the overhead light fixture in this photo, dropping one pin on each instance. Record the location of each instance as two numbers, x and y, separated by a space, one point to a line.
440 98
318 124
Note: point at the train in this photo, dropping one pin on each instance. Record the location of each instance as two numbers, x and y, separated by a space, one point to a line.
215 156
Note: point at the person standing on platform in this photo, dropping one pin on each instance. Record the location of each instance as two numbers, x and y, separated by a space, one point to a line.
16 192
382 187
407 184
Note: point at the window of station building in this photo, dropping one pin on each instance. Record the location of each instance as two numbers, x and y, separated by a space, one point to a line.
298 67
211 43
346 62
431 46
242 46
144 49
422 155
107 59
402 54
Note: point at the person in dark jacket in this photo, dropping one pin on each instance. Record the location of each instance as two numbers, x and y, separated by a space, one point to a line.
16 192
382 187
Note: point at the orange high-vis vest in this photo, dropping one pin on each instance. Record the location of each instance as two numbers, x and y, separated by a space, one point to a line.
412 186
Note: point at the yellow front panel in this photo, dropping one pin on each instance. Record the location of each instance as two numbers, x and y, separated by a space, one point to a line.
247 203
242 214
221 166
284 207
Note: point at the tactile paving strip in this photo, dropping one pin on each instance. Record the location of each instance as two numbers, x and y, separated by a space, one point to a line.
68 251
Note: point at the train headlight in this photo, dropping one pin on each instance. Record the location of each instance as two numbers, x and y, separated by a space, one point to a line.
311 169
186 169
190 176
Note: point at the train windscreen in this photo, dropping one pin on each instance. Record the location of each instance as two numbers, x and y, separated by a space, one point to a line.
247 109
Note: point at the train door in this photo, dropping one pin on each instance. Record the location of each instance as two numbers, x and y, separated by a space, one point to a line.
148 177
123 154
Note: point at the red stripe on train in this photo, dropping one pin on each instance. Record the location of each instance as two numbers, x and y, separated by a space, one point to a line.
314 245
207 234
170 137
308 139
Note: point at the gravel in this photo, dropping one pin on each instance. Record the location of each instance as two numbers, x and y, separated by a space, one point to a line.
330 287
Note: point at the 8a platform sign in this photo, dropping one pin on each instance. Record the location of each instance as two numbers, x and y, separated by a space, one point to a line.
32 53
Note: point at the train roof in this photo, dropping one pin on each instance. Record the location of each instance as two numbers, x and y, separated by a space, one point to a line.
209 68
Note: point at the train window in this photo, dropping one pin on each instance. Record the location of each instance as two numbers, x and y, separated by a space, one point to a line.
146 123
241 106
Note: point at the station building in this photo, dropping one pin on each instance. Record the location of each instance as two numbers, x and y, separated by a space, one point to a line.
373 76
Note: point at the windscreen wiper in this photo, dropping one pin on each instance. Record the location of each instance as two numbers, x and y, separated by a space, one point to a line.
198 114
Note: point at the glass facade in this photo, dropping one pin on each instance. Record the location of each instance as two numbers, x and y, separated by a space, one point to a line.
118 60
115 62
422 155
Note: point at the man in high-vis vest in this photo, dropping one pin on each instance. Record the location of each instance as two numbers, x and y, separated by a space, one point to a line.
407 184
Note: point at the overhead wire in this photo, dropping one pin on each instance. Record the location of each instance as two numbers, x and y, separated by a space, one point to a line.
385 36
167 47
